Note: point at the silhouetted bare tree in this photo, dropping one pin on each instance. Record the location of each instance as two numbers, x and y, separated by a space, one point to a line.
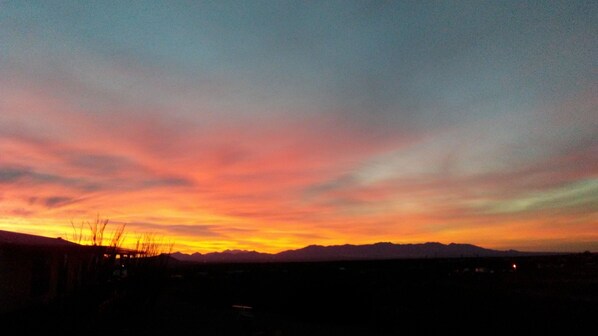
149 245
77 236
97 230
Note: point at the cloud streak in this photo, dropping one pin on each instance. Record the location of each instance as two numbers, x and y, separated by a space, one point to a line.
282 125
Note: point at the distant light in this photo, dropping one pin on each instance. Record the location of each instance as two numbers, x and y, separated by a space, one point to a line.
514 266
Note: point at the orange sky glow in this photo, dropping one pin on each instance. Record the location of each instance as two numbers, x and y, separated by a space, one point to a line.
225 135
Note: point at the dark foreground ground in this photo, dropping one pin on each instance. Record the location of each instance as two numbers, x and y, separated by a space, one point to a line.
556 294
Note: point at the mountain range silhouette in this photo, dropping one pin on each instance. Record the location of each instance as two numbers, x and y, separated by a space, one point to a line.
377 251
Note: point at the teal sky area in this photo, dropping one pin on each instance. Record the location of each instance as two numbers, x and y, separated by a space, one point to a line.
271 125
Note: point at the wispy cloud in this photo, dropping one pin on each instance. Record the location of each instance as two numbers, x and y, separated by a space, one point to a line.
282 125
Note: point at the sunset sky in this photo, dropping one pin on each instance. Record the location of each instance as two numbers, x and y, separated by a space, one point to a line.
270 125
